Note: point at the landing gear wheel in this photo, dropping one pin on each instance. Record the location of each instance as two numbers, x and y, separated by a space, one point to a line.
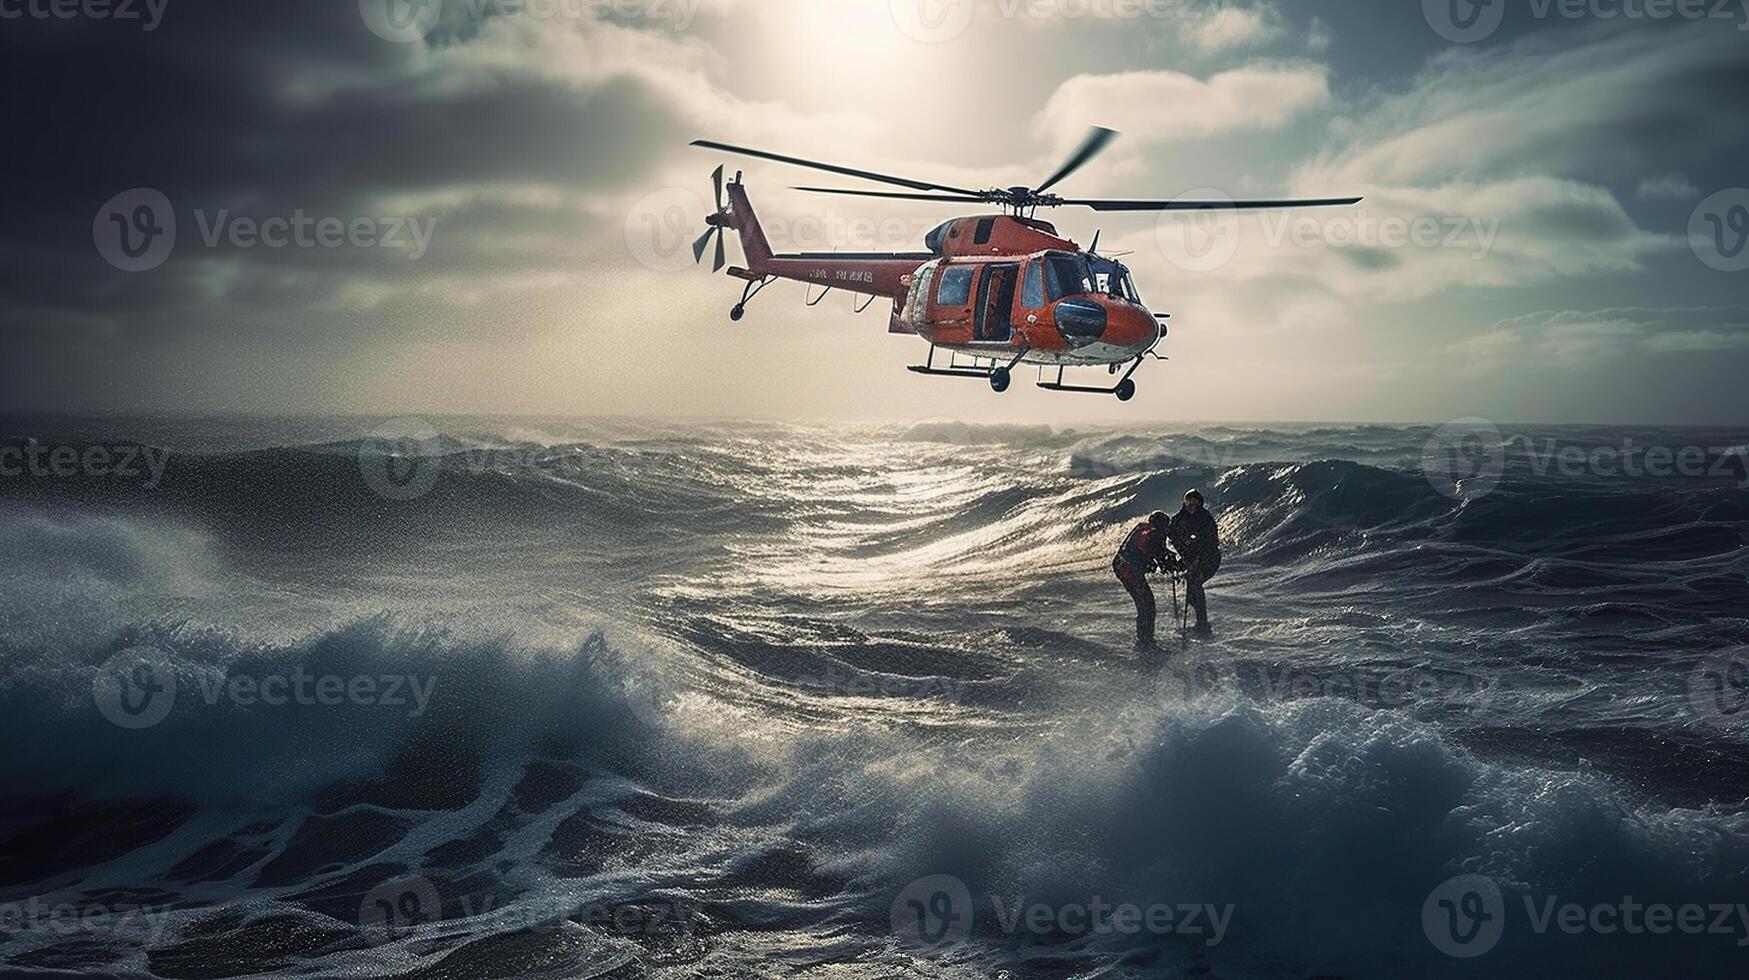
999 379
737 311
1125 390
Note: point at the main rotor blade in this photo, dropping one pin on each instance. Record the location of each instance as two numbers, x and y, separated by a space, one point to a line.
1090 147
918 185
1103 204
891 195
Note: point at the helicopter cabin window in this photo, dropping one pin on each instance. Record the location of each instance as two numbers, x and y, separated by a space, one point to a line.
1032 289
1067 275
956 287
981 235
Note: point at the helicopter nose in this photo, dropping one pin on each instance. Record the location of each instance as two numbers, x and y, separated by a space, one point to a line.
1080 321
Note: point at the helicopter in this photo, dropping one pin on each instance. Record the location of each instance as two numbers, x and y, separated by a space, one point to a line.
992 290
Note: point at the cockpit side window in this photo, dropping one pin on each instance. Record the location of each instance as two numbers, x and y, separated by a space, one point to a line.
1032 288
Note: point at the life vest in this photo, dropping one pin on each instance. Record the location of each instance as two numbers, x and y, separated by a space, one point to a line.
1144 543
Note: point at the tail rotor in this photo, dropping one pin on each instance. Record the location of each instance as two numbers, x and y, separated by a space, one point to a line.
715 227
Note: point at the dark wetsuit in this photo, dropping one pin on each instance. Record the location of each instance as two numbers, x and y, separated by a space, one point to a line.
1143 548
1198 541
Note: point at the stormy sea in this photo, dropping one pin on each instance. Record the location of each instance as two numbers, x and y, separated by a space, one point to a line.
461 698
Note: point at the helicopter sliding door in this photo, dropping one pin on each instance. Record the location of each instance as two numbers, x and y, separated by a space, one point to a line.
995 316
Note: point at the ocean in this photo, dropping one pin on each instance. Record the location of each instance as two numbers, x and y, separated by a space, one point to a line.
520 697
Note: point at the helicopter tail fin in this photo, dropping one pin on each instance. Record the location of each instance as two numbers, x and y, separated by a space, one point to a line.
740 217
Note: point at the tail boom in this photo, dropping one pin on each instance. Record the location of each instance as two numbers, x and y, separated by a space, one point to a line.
881 273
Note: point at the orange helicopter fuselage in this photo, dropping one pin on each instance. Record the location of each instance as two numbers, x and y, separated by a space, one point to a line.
984 287
992 292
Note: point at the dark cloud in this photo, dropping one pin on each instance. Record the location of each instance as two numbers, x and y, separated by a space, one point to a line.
256 110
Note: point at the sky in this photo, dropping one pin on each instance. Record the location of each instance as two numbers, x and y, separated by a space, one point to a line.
485 206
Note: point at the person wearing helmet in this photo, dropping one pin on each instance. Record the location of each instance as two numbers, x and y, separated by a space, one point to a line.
1143 550
1198 541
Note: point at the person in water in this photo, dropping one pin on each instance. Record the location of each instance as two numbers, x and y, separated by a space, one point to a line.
1143 550
1198 542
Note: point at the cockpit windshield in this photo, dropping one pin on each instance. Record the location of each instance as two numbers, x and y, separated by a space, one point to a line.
1114 280
1075 274
1067 275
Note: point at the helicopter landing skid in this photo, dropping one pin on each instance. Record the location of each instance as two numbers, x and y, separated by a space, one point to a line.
1125 389
999 377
